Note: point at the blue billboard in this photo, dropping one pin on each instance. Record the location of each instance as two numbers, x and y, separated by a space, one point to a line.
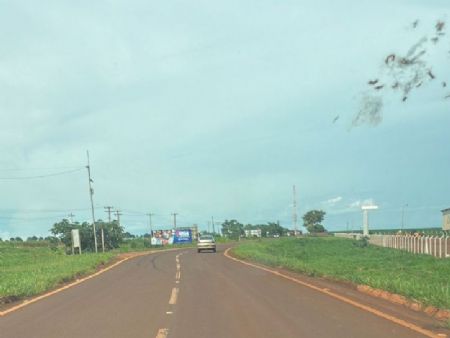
182 236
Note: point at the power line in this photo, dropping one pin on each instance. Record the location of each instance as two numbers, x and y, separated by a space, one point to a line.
46 210
47 168
40 176
31 218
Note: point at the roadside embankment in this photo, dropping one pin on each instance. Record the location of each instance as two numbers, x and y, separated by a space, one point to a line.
421 279
29 271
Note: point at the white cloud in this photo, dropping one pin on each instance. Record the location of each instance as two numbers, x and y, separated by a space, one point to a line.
360 203
333 201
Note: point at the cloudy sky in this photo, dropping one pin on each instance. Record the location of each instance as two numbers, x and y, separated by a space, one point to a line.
217 108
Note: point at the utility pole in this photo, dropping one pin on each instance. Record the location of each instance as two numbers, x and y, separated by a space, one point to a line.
175 220
109 210
294 211
71 215
118 213
213 227
150 223
91 194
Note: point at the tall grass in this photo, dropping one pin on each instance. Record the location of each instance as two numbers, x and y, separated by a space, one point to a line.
25 271
420 277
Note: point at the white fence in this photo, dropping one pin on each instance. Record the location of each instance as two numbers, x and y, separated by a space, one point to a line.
428 245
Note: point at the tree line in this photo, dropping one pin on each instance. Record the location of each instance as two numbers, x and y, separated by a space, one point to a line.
113 234
312 221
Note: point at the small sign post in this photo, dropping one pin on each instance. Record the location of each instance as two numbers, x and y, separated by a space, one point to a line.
76 241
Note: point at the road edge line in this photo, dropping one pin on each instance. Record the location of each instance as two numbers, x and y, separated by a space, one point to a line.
344 299
78 281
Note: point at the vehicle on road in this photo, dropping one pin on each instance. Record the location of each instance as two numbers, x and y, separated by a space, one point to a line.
206 242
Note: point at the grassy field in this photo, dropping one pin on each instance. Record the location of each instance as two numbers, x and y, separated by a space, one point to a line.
423 278
25 271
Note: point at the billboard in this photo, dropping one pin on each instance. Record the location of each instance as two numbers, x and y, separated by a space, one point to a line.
162 237
165 237
182 236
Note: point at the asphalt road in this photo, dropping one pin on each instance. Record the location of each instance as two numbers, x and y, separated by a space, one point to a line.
183 294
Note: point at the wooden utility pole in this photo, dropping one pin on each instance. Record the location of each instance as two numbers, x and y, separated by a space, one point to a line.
118 213
150 223
91 194
109 210
175 219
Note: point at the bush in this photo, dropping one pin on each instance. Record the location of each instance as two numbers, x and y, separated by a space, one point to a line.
363 242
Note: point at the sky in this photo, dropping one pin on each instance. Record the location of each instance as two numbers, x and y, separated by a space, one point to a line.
217 109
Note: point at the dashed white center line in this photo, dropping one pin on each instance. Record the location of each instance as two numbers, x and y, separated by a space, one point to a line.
174 296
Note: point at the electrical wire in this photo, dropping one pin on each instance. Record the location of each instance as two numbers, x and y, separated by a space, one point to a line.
42 168
41 176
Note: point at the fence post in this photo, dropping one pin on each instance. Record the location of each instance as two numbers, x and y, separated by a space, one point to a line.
446 246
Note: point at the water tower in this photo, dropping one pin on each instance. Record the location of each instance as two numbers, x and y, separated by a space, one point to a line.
365 209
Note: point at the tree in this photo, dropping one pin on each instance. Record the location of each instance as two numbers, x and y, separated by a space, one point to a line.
113 233
271 229
312 221
232 229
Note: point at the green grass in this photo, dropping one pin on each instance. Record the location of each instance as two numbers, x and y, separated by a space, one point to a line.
29 269
420 277
26 271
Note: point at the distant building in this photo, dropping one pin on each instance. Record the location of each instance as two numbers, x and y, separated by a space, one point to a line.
253 233
446 219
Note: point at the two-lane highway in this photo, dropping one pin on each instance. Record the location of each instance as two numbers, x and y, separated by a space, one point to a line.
183 294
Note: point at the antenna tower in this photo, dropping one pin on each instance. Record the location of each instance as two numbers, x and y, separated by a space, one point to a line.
294 210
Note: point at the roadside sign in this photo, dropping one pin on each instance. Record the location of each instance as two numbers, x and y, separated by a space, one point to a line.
76 240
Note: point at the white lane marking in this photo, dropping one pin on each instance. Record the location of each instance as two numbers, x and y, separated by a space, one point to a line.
174 296
344 299
162 333
79 281
178 275
169 312
178 282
